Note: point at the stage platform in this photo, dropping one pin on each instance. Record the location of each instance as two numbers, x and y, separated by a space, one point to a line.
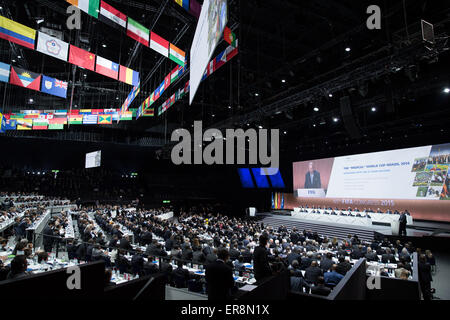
341 230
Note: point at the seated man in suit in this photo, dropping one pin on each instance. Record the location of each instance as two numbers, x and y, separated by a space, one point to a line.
312 273
332 277
388 257
312 178
180 276
320 289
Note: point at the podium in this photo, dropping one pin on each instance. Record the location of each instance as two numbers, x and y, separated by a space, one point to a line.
395 225
311 193
252 212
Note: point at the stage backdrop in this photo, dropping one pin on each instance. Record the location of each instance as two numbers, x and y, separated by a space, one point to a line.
416 179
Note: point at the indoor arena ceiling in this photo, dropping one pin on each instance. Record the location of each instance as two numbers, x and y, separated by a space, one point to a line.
296 60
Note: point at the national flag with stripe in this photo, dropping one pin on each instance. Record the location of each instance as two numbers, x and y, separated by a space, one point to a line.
104 119
91 7
90 119
138 32
167 81
85 111
24 78
127 116
53 47
177 55
75 119
17 33
55 126
107 68
174 74
221 59
40 124
159 44
128 76
54 86
112 16
4 72
81 58
150 112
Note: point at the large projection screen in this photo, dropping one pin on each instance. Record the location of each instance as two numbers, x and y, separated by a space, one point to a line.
210 26
416 179
93 159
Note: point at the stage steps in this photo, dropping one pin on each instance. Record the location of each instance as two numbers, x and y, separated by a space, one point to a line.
329 230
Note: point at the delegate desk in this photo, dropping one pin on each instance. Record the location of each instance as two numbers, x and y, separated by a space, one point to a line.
366 219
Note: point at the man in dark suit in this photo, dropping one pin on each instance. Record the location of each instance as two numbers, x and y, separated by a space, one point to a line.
312 178
312 273
219 277
402 224
180 276
320 289
261 265
125 243
425 277
48 237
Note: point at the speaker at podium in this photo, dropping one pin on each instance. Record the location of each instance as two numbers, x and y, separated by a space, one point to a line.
251 212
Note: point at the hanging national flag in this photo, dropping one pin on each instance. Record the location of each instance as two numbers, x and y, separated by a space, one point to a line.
150 112
90 119
104 119
24 124
167 81
4 72
107 68
54 87
52 46
174 74
139 112
24 78
159 44
221 59
177 55
229 36
75 119
112 16
55 126
211 67
183 3
128 76
137 31
127 116
10 124
85 111
81 58
40 124
16 32
231 51
91 7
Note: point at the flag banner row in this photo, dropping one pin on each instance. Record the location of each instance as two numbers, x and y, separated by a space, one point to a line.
33 81
56 119
213 65
130 98
170 78
59 49
101 10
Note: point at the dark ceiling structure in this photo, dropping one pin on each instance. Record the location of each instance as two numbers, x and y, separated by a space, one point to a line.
309 68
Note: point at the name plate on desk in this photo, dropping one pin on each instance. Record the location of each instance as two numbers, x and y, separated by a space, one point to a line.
311 193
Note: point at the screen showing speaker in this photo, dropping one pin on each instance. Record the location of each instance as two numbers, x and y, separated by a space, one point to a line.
410 177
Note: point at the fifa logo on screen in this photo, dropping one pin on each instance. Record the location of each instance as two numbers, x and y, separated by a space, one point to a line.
74 20
250 142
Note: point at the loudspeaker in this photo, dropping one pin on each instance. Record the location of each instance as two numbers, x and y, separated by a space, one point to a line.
349 121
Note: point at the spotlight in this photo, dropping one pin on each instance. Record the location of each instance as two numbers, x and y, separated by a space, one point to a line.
330 95
283 80
285 132
260 127
256 94
335 119
39 21
316 109
373 109
348 49
104 45
446 90
30 100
